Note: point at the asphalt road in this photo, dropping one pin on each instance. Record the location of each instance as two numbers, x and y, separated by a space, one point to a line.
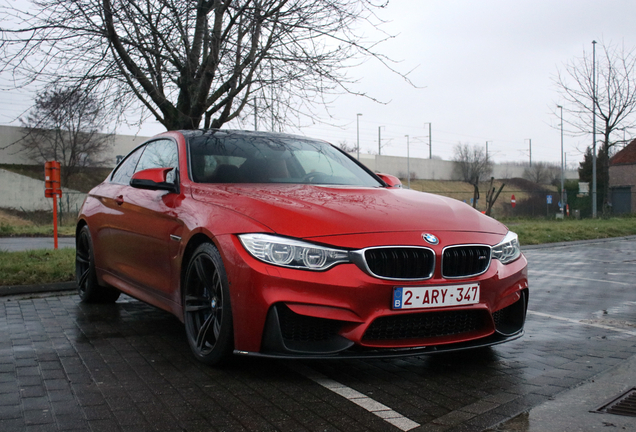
69 366
14 244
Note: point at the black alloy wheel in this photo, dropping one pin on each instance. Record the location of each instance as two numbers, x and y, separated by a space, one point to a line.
206 306
85 275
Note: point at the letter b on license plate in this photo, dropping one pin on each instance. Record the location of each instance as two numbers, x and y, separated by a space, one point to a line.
436 296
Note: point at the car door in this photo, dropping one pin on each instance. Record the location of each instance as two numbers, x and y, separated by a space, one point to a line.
144 241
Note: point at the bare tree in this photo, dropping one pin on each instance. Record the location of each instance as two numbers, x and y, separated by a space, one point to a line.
344 146
542 172
193 62
615 96
471 165
65 126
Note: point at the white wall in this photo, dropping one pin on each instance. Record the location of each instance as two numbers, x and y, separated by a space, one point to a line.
436 169
25 193
10 148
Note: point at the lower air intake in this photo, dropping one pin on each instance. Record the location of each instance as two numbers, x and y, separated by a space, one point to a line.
425 325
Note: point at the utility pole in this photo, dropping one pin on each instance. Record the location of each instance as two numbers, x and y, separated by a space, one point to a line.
594 210
271 70
379 141
255 114
408 162
530 150
358 131
562 203
486 151
430 141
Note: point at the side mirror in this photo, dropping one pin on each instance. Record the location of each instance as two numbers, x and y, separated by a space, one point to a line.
392 181
154 179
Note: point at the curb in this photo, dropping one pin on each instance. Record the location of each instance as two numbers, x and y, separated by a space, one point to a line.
32 289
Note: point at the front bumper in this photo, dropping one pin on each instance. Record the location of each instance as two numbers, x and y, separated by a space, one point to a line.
346 313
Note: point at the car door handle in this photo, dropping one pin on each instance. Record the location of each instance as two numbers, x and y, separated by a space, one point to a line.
119 199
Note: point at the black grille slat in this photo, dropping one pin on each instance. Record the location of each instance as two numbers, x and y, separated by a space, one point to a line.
425 325
302 328
465 261
400 262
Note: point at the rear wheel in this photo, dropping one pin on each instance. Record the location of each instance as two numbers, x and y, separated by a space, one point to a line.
87 286
206 306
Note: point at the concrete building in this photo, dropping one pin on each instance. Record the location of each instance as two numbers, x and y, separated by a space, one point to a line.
622 180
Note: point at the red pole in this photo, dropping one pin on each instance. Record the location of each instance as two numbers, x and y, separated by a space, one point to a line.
55 222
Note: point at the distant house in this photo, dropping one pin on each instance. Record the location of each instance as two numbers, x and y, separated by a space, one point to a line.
622 180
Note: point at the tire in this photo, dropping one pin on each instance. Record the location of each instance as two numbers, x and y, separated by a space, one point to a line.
207 313
87 287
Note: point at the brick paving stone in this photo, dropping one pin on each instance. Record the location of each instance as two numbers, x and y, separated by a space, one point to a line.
69 366
10 411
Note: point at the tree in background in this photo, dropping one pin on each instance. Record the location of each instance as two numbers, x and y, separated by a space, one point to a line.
345 147
542 173
195 63
602 173
471 166
65 126
615 100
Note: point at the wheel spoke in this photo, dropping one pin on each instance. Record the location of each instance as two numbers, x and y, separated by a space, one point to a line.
202 273
197 303
217 324
218 287
82 281
203 331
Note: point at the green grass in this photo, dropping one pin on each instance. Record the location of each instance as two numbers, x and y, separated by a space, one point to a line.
7 230
37 267
532 232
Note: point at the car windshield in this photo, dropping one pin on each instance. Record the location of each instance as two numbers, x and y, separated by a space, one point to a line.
244 157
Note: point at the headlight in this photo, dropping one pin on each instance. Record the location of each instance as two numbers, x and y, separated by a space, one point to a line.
287 252
508 250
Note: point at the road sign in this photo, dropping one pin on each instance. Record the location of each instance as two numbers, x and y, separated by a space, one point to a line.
549 199
513 201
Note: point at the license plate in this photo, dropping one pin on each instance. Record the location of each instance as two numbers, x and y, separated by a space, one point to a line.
437 296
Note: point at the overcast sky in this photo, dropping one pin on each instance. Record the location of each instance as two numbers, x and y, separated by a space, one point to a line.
484 71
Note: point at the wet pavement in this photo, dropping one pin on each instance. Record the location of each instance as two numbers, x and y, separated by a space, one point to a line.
74 367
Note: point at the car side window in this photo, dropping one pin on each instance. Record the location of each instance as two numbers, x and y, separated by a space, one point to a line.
126 169
160 154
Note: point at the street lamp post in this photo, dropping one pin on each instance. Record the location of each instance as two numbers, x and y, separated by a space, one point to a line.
594 210
562 202
408 163
430 141
358 132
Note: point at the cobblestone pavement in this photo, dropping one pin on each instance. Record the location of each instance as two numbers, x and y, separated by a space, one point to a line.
74 367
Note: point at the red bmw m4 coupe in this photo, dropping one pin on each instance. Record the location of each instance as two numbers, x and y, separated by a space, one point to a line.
282 246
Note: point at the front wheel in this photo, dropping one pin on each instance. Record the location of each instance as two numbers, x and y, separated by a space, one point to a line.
206 306
87 287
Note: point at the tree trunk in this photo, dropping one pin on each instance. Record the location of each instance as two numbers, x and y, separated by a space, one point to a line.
475 194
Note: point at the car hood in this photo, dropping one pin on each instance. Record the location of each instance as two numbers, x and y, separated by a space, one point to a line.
304 211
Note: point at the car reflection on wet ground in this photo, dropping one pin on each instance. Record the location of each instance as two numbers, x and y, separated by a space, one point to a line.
71 366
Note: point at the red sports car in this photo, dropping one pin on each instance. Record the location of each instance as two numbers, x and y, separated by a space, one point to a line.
282 246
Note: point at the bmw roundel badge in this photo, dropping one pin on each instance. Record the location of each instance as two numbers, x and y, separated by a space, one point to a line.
430 238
